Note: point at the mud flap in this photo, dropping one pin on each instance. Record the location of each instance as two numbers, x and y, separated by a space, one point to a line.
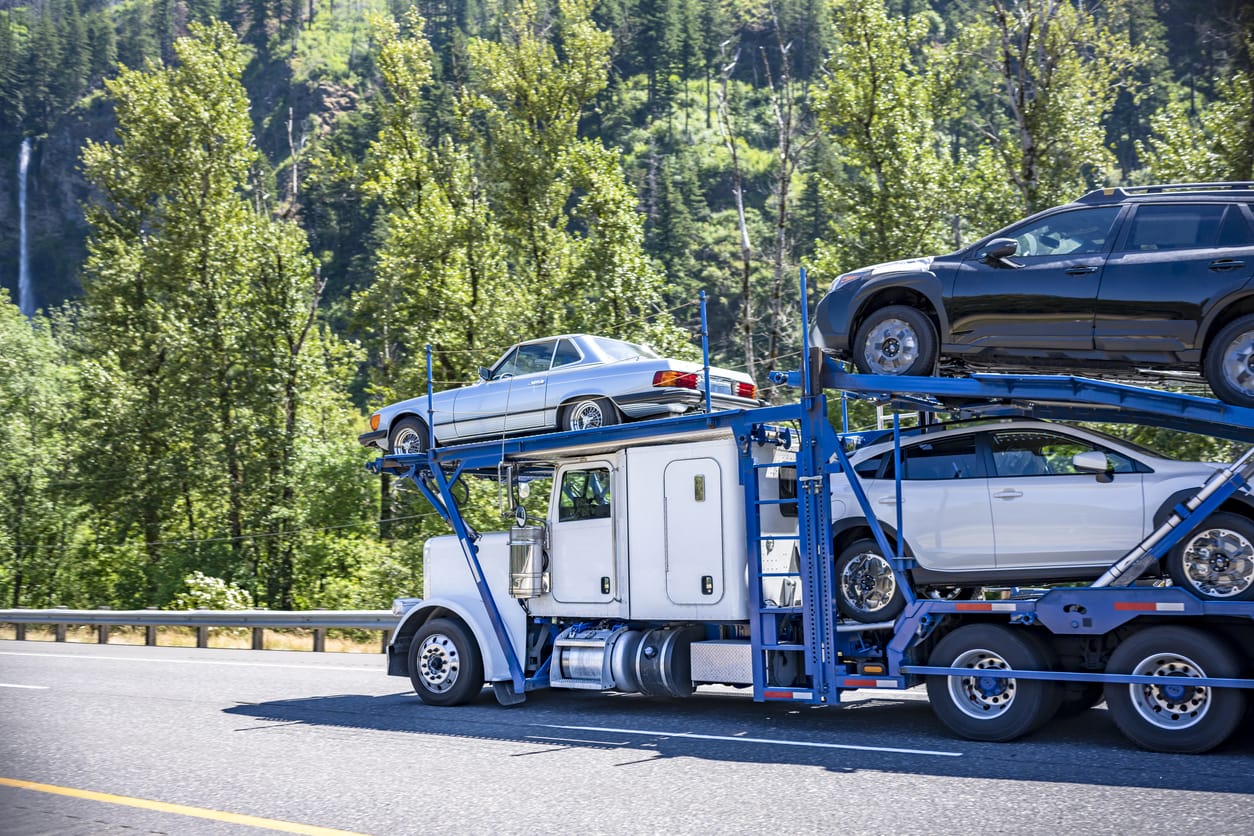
505 695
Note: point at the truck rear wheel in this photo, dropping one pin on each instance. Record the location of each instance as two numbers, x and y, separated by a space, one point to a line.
1175 717
445 665
987 704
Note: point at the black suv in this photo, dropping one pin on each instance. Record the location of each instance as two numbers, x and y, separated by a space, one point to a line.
1123 282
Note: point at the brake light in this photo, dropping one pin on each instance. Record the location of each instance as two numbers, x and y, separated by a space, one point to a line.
684 380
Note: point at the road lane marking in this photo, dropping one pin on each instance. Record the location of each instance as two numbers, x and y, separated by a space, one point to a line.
32 687
94 657
179 809
729 739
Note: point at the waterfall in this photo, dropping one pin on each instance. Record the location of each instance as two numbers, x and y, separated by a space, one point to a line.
25 293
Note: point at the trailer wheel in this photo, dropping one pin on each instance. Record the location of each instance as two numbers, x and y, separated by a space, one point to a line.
866 588
1175 717
445 665
987 704
1217 560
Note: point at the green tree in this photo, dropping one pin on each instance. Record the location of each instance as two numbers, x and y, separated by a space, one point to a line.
36 389
1057 68
1217 144
893 194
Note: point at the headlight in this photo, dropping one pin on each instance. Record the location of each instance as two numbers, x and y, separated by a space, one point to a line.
847 278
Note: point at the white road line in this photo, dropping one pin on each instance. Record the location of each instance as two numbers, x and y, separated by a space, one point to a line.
728 739
31 687
76 657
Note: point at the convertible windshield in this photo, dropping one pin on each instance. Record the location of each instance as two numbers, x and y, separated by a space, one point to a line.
619 350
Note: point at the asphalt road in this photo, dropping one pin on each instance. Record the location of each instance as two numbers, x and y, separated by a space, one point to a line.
188 741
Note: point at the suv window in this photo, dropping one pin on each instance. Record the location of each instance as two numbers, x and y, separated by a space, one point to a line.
1038 453
1175 227
949 458
1077 232
1235 230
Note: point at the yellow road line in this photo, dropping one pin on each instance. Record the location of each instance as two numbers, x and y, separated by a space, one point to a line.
179 809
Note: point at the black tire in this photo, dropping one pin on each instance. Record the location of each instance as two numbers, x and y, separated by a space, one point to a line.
445 665
1229 363
589 413
896 340
1216 561
408 436
1175 718
988 707
866 588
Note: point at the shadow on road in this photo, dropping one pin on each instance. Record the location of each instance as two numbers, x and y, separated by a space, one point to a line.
867 733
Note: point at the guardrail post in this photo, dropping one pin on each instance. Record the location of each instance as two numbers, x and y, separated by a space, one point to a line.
202 632
102 630
58 630
150 632
320 635
387 635
20 631
259 638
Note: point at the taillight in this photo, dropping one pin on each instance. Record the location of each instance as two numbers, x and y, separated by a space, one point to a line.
684 380
746 390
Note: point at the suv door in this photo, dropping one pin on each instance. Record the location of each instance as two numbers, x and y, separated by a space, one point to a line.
1046 302
1047 514
944 502
1173 262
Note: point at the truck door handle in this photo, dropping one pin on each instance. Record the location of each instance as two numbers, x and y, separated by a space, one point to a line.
1008 493
1226 264
1080 271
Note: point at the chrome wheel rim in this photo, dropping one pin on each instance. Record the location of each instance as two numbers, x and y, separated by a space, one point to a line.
439 663
891 347
1219 562
985 694
1238 365
867 582
1172 705
586 415
408 441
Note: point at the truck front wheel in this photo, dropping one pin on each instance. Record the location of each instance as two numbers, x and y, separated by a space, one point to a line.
989 703
1175 716
445 665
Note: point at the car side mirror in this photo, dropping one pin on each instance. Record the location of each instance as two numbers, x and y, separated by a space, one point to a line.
485 373
1095 462
999 251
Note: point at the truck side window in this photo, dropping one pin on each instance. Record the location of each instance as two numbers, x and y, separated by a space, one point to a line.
585 495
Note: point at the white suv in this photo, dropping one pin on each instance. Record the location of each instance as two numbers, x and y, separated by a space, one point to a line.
1023 502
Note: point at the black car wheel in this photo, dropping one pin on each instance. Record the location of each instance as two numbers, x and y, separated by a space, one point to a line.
1229 364
896 340
866 588
1217 560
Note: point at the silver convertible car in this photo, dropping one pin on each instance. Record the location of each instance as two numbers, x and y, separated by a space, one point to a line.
568 382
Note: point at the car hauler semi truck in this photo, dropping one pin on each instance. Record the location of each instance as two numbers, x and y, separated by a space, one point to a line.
698 550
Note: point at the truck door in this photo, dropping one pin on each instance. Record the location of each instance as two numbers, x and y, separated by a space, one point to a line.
694 531
582 540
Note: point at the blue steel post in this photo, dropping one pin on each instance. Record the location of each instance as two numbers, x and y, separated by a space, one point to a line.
430 403
705 352
814 509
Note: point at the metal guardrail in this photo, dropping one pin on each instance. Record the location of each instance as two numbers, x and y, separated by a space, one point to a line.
257 620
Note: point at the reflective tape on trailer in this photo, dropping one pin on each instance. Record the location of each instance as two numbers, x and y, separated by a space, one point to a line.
1149 606
851 682
775 694
985 606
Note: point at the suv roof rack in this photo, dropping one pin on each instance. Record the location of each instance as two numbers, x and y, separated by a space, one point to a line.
1117 193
